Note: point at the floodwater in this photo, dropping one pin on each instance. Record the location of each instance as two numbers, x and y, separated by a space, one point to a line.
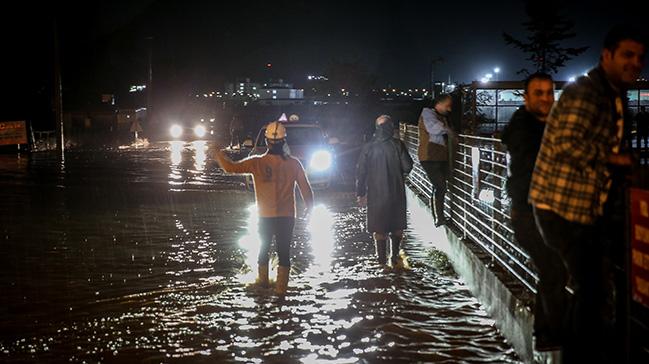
147 255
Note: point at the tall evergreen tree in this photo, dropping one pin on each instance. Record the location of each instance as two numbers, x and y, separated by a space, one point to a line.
547 30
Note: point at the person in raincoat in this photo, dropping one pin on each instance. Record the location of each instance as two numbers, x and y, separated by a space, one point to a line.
275 175
382 166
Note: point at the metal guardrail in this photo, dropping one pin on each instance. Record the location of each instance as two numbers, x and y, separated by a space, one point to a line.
44 134
477 202
43 140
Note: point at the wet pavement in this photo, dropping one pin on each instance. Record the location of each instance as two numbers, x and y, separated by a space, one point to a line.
147 255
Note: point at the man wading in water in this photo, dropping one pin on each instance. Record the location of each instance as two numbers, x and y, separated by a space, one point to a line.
275 174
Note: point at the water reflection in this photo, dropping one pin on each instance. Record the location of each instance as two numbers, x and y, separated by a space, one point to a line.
139 272
422 225
250 243
176 148
321 231
182 172
200 154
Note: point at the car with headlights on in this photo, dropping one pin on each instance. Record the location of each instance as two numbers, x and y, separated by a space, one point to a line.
308 143
194 131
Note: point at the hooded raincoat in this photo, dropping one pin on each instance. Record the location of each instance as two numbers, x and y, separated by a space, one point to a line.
382 166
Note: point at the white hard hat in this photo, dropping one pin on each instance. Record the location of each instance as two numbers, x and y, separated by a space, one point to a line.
275 131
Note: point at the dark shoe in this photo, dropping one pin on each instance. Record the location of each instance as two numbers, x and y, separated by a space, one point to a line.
544 343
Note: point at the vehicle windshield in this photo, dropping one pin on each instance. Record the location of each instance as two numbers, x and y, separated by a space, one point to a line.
297 136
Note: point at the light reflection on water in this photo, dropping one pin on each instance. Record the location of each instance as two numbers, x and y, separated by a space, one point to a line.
133 268
200 155
250 244
321 230
176 148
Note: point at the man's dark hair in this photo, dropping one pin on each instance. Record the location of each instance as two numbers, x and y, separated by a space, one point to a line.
441 98
428 103
623 32
536 76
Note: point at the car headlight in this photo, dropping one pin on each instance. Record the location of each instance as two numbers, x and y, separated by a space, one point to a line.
320 161
200 131
176 131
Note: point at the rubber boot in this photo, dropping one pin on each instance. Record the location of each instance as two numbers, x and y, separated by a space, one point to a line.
282 280
395 247
381 251
262 275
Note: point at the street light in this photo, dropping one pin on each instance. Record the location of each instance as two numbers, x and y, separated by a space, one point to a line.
572 79
497 71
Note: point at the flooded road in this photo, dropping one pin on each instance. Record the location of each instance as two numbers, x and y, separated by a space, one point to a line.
146 255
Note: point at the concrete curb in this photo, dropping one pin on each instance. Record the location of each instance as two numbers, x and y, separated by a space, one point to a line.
507 306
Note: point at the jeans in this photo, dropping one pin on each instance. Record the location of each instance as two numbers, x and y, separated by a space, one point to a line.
551 296
437 173
282 229
583 252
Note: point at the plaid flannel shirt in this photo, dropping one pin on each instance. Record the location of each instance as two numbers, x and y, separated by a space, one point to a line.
571 177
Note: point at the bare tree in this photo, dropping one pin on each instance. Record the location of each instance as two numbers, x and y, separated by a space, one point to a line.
547 30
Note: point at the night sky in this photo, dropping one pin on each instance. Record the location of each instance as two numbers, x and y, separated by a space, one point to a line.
200 45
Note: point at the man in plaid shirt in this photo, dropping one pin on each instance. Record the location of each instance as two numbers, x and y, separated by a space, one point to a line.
576 187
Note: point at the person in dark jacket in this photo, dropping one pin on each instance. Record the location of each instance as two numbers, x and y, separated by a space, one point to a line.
522 136
579 195
382 166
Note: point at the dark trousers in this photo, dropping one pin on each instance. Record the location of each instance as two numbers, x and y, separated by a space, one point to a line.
437 173
382 245
551 295
282 229
583 252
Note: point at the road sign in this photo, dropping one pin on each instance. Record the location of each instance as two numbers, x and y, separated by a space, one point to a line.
13 132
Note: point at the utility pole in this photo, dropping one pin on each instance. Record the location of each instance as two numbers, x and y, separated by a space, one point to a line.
58 94
433 62
149 86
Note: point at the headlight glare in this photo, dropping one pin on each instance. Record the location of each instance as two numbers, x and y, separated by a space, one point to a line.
176 131
320 161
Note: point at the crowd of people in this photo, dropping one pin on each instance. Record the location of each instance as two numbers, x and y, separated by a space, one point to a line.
570 165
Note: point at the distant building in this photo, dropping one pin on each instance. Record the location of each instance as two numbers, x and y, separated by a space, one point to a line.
275 91
279 90
243 88
281 93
